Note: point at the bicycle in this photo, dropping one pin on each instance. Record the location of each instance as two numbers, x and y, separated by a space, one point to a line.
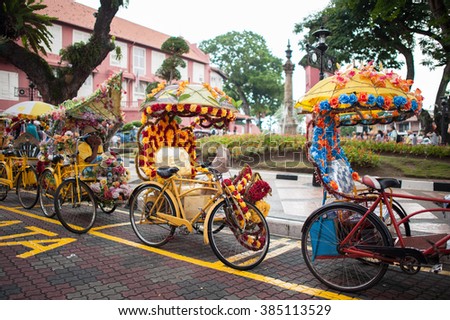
207 206
15 171
349 248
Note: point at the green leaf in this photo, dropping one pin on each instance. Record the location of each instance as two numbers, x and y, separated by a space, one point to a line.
184 97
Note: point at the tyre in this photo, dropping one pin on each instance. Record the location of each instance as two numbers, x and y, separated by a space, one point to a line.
27 188
321 236
3 187
236 248
75 205
47 190
107 208
145 202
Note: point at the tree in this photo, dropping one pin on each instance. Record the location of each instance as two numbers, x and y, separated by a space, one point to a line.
254 75
175 47
381 29
78 60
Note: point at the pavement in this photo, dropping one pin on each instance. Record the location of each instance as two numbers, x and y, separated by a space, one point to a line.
294 198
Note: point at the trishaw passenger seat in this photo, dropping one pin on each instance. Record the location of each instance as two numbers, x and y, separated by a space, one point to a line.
222 159
174 157
340 172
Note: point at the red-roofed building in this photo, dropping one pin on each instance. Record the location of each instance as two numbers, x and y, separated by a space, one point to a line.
141 57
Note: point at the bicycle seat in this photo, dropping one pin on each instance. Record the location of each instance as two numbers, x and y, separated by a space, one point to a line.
167 172
380 183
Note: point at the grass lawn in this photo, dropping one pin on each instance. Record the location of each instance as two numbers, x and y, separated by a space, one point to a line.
416 167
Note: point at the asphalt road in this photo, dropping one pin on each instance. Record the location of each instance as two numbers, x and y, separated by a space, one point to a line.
39 259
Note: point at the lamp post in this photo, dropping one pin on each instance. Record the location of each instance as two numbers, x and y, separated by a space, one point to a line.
321 36
32 86
289 125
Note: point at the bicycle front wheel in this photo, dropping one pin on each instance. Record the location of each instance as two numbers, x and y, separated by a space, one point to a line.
75 205
47 190
146 202
240 249
27 188
322 234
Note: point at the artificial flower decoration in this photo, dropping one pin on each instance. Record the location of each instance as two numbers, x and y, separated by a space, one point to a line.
212 105
364 96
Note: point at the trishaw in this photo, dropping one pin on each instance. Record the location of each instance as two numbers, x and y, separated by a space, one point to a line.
180 193
73 191
18 159
349 243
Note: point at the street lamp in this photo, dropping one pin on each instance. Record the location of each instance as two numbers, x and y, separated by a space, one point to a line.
321 35
32 86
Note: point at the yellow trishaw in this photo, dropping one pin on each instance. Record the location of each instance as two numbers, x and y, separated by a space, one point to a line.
180 193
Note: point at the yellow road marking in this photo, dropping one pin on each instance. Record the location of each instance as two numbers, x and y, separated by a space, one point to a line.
36 245
222 268
34 231
9 223
110 226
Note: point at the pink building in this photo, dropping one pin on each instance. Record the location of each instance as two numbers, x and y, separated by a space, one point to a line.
141 57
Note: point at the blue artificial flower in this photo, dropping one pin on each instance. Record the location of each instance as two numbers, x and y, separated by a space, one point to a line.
399 101
414 105
344 99
380 101
325 105
353 98
371 100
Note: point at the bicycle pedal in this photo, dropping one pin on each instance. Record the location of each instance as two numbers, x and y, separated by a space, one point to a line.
436 268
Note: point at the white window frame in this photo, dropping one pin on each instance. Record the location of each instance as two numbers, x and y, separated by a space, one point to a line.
139 90
56 42
184 71
157 60
122 63
139 61
80 36
198 74
87 87
9 81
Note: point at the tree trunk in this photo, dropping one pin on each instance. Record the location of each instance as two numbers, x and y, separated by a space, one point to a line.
56 89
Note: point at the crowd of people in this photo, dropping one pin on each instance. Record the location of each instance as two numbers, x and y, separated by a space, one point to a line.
393 135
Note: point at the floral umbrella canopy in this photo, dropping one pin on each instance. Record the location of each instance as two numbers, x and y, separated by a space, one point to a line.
355 96
212 105
363 96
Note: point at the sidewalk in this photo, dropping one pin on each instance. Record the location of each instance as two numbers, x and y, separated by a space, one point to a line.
294 198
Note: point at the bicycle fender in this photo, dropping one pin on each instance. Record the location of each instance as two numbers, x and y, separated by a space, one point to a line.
205 224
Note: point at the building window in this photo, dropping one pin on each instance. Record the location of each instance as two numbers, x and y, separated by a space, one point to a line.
80 36
56 44
9 81
86 88
138 61
139 90
157 60
198 73
123 101
123 62
184 71
404 126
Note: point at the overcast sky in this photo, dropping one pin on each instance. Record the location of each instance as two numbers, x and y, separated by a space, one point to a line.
198 20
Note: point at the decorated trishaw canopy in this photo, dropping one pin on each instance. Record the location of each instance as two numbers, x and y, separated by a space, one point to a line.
212 105
103 103
363 96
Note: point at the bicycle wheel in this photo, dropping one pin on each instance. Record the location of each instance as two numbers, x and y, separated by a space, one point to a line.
107 208
321 236
27 188
145 202
239 249
75 205
47 189
3 187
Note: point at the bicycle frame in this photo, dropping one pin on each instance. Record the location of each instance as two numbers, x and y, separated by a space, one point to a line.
385 198
10 162
172 186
